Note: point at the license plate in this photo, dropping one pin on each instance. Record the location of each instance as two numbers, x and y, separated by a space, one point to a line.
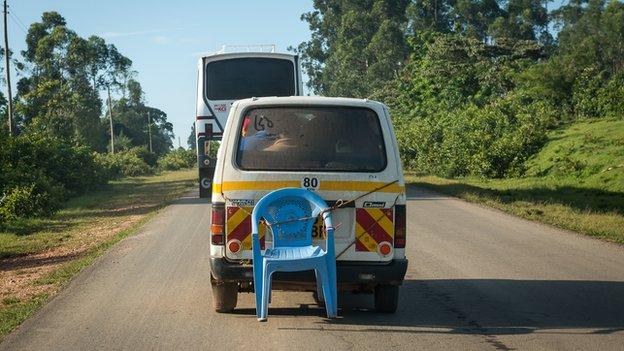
318 230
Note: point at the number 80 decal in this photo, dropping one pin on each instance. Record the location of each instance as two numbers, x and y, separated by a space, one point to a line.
310 183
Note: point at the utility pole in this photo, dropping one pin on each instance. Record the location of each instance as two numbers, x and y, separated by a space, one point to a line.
149 130
110 112
8 72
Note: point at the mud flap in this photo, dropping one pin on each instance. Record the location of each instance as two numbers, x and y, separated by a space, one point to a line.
224 295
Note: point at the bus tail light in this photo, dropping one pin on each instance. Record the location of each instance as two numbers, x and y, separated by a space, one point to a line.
399 226
217 224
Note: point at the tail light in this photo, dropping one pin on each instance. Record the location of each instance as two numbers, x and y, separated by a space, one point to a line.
399 226
217 224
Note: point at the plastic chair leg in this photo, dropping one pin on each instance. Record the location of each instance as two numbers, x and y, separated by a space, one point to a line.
266 291
330 303
258 287
333 283
319 286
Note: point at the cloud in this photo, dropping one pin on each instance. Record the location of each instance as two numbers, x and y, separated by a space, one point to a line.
161 39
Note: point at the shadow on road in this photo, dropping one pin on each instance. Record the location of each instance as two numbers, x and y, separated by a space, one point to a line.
488 307
190 200
415 193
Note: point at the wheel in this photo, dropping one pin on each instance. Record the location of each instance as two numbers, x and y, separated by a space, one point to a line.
386 298
224 296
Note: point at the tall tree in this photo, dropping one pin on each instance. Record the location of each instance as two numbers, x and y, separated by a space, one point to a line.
356 46
131 120
191 141
61 96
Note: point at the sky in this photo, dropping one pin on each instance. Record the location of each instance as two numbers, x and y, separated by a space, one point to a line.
165 39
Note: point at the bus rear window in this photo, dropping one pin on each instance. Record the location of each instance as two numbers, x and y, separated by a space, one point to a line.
241 78
334 139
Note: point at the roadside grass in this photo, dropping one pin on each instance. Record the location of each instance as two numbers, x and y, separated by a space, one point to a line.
588 211
575 182
39 256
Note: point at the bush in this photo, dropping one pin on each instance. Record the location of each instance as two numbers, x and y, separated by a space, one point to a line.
143 153
38 173
28 201
492 141
177 159
611 97
123 164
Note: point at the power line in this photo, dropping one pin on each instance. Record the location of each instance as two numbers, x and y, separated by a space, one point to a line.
19 20
19 23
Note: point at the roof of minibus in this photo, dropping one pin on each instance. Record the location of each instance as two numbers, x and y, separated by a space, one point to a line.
308 100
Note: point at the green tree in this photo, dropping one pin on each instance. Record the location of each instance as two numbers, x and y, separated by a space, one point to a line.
522 19
356 46
131 120
61 96
191 141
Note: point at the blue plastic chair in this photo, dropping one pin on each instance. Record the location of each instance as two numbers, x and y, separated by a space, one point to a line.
290 213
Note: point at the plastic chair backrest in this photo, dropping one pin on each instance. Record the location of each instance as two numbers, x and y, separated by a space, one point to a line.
290 213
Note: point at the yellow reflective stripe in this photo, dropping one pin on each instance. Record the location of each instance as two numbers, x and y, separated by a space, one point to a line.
261 229
365 238
342 185
330 185
255 185
233 221
246 244
385 223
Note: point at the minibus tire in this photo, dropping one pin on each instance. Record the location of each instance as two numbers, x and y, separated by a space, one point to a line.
386 298
224 296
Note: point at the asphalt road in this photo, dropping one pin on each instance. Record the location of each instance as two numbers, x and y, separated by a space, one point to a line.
478 279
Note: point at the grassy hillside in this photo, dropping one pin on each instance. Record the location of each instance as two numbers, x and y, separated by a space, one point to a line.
575 182
590 154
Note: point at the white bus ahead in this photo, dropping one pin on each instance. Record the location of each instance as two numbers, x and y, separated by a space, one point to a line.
223 78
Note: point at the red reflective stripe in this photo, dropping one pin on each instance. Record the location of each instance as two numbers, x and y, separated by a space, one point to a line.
359 246
388 213
371 226
242 230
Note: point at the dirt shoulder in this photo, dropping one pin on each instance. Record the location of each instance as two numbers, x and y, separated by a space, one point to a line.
37 257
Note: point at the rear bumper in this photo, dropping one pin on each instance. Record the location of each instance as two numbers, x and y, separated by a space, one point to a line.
349 273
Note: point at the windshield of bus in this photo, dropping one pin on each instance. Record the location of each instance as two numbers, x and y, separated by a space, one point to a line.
312 139
240 78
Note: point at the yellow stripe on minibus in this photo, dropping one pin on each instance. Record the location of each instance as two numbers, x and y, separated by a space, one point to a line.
328 185
341 185
254 185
